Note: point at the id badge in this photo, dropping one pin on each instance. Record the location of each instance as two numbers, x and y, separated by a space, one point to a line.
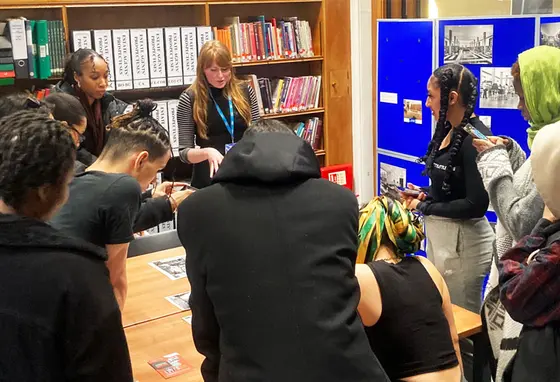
229 146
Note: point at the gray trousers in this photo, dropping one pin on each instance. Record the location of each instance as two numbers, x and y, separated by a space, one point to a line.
461 250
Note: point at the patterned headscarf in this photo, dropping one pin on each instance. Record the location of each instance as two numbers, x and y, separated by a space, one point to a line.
380 215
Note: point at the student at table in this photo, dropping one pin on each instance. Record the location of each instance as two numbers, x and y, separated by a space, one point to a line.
105 201
271 253
86 77
404 301
213 113
59 320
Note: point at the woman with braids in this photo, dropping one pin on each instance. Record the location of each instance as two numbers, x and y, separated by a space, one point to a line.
59 320
414 338
86 77
508 178
105 204
460 239
213 113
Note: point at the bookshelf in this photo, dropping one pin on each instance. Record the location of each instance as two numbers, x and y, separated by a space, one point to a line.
329 23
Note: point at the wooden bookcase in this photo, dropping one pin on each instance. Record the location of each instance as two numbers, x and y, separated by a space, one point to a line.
329 21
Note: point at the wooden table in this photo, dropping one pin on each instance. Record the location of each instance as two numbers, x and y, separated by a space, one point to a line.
154 339
466 322
469 325
148 287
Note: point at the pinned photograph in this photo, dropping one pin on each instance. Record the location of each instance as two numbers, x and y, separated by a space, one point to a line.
487 120
392 178
180 300
496 89
173 267
468 44
550 34
413 111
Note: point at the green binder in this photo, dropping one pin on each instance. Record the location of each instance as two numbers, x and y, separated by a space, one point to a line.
44 68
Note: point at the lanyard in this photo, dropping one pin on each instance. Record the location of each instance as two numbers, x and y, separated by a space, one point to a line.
229 126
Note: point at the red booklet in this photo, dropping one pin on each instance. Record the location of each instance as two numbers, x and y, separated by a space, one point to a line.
170 365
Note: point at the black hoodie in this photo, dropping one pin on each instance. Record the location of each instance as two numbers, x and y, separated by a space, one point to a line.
271 255
59 320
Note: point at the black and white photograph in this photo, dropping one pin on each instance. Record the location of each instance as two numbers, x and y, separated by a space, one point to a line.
188 319
468 44
550 34
487 120
173 267
180 300
391 178
496 89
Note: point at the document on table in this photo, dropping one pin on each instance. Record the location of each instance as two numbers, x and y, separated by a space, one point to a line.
180 300
173 267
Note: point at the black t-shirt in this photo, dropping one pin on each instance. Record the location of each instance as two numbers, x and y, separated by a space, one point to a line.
468 198
101 208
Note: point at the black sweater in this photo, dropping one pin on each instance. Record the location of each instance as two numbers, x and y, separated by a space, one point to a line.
59 320
271 254
468 198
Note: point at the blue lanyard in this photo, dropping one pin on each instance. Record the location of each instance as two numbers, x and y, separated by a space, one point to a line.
230 125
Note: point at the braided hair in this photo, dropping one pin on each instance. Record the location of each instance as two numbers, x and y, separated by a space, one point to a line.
451 77
137 131
35 150
17 101
384 221
75 61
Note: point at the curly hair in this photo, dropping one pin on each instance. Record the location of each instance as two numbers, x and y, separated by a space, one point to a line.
137 130
451 77
15 102
35 150
66 108
384 221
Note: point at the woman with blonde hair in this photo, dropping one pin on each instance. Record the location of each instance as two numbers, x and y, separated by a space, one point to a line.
213 112
401 326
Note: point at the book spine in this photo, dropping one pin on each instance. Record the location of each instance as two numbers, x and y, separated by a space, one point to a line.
140 62
123 66
173 56
103 44
172 106
156 54
189 48
30 50
81 40
19 48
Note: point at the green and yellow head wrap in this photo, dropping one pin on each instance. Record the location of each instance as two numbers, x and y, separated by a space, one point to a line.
380 215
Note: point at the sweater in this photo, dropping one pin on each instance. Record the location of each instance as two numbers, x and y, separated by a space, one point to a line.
507 177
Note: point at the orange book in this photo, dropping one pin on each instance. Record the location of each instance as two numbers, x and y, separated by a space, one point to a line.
170 365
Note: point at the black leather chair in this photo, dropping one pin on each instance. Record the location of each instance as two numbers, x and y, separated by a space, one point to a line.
153 243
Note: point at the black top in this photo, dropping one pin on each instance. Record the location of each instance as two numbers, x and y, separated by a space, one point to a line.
281 306
412 335
59 320
101 208
468 198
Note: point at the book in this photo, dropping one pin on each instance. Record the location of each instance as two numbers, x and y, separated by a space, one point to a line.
170 365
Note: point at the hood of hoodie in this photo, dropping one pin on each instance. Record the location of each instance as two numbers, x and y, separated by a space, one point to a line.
18 232
274 158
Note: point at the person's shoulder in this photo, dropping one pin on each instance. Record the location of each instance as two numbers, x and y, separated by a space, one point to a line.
340 195
113 186
437 278
187 95
201 200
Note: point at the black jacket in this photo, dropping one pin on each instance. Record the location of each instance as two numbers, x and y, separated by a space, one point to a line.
152 212
110 107
59 320
271 255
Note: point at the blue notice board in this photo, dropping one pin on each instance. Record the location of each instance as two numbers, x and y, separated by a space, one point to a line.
405 63
508 37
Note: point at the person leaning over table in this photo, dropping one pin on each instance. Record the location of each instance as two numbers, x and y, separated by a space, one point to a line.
59 320
213 112
105 200
86 77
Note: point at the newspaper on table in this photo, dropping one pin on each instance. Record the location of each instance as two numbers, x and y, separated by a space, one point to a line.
180 300
188 319
172 267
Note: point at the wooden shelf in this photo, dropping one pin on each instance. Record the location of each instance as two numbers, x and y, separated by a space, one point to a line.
277 62
320 153
294 114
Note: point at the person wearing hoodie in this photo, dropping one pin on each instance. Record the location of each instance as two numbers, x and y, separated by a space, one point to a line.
59 320
86 77
508 178
529 273
271 256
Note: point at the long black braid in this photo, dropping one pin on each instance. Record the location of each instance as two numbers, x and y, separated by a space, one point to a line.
451 77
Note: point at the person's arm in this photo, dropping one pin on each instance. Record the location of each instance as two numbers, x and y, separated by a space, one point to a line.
369 307
517 212
530 278
475 202
187 131
95 347
446 304
254 102
116 264
205 328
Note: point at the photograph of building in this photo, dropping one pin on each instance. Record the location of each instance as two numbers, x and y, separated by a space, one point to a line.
391 178
496 89
550 34
413 111
468 44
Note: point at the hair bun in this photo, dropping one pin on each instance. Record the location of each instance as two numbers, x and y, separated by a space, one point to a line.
146 107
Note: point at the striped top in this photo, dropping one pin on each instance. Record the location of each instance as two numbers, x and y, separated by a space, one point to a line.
187 125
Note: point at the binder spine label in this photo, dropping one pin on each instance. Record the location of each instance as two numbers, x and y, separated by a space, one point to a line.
140 63
156 51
